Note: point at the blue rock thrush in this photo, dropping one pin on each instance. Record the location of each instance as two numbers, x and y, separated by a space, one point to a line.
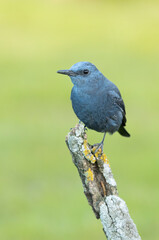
96 101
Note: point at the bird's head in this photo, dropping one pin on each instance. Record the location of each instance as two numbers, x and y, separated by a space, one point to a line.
83 74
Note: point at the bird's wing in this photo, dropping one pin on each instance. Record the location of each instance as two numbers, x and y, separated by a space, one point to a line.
117 100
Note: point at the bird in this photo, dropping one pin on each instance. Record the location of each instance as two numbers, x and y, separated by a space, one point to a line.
96 101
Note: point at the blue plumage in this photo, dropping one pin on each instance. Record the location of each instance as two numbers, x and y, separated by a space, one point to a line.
96 101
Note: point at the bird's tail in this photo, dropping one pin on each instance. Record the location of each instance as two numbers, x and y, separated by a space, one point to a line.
123 131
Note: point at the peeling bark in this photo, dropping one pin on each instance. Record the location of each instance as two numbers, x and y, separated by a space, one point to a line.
100 187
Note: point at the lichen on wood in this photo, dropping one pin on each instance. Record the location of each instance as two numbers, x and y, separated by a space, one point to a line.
100 187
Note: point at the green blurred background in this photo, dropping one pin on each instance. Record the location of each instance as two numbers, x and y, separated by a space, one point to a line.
41 195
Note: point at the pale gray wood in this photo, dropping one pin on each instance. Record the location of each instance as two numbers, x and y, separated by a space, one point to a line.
100 187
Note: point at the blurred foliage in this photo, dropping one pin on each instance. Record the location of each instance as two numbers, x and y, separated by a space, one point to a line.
41 194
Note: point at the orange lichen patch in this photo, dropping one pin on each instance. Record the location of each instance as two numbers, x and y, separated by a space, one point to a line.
87 152
92 159
93 149
99 150
96 154
89 175
85 143
104 159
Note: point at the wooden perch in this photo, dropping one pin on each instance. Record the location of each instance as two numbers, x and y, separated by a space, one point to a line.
100 187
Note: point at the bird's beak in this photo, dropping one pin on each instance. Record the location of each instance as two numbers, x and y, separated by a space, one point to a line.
67 72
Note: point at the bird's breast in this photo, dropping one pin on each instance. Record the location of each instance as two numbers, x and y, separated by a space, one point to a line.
90 109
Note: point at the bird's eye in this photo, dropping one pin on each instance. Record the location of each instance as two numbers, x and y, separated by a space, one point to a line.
85 71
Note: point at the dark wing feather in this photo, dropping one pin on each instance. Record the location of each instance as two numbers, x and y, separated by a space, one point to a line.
120 103
117 99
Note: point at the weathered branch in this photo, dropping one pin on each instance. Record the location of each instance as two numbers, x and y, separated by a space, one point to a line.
100 187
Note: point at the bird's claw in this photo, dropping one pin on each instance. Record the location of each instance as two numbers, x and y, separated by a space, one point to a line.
98 147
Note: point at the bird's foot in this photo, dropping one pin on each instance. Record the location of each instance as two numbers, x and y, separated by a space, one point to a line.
98 147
